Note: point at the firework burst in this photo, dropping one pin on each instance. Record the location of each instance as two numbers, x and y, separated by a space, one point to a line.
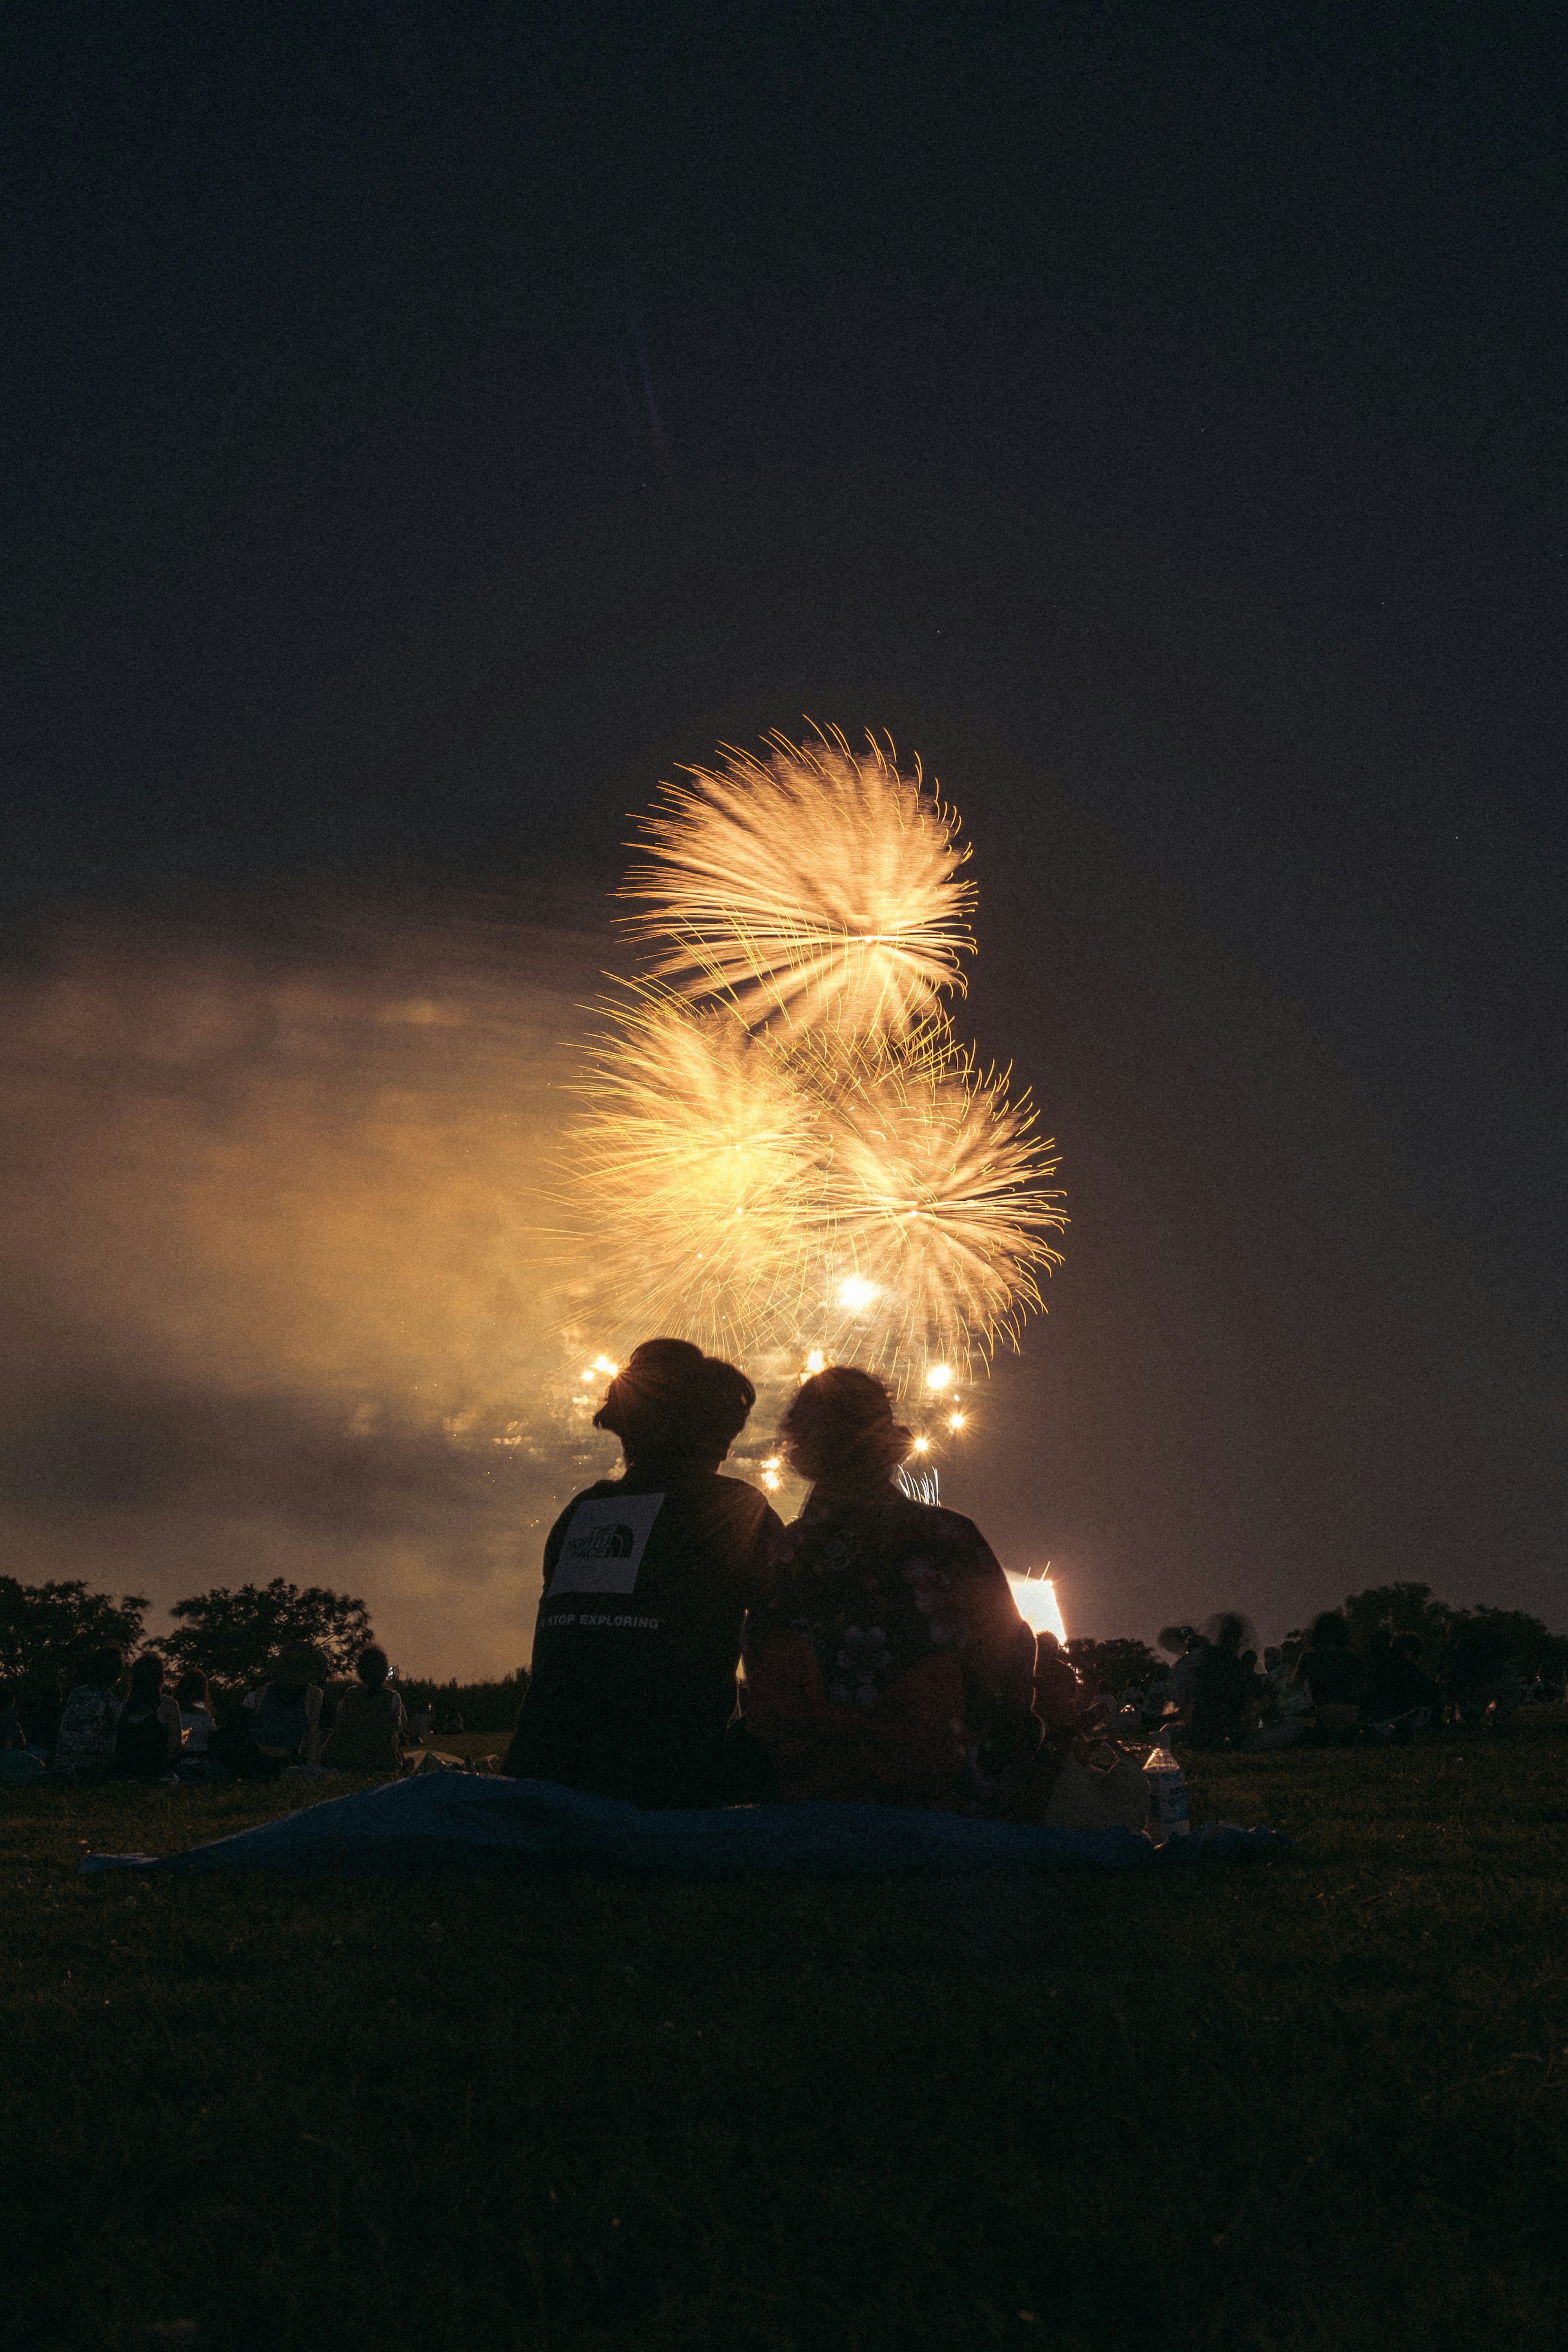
809 885
781 1149
699 1161
936 1199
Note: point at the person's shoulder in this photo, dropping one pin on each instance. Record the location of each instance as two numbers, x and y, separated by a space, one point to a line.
594 1494
739 1494
733 1505
943 1526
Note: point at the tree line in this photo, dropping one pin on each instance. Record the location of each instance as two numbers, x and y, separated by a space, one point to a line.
230 1635
1406 1608
233 1633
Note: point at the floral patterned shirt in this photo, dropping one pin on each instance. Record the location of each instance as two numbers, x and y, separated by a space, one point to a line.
87 1729
887 1660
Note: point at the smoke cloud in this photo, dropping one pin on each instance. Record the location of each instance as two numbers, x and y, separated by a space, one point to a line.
282 1290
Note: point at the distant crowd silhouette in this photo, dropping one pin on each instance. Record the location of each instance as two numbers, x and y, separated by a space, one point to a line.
882 1658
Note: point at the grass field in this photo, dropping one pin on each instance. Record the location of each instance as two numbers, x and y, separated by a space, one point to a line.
1320 2103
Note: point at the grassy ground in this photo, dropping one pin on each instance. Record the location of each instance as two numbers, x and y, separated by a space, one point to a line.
1319 2104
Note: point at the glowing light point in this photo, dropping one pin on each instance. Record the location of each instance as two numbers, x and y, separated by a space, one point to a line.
815 1360
856 1293
939 1376
922 1446
955 1421
603 1364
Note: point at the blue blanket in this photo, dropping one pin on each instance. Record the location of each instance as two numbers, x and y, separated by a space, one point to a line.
461 1822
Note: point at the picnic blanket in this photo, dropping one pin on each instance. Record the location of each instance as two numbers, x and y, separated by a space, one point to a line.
458 1821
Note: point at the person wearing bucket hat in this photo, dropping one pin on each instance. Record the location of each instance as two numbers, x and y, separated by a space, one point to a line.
647 1580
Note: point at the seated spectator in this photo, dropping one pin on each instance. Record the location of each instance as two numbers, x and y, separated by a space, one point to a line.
283 1723
887 1662
147 1737
368 1733
199 1762
197 1721
84 1746
647 1580
1058 1691
1483 1675
40 1705
1330 1672
1222 1704
453 1726
1181 1683
423 1723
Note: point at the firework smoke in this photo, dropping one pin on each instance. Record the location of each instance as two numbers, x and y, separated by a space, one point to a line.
809 886
782 1149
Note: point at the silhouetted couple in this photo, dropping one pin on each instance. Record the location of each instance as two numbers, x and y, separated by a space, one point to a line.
884 1659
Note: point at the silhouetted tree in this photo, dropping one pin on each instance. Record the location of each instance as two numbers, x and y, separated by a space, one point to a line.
232 1636
1401 1609
44 1626
1111 1666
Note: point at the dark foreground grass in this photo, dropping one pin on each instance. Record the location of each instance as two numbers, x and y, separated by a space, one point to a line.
1320 2103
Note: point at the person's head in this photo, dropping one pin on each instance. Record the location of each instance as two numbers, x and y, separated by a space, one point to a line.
839 1429
147 1680
1330 1630
190 1690
672 1404
1046 1643
1271 1657
372 1667
1227 1631
104 1669
299 1663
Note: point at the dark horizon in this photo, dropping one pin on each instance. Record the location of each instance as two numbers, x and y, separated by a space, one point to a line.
427 433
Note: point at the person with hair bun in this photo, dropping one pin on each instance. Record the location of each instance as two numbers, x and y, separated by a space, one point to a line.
888 1664
648 1578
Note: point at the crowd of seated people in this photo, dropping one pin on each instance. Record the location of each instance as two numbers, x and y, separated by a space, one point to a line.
882 1658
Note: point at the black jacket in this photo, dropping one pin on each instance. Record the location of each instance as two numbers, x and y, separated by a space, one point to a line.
638 1635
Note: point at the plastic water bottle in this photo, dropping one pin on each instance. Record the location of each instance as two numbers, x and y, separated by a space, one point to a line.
1168 1796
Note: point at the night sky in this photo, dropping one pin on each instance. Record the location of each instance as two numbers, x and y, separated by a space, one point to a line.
428 427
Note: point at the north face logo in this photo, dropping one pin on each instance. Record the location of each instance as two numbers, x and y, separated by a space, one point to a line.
602 1543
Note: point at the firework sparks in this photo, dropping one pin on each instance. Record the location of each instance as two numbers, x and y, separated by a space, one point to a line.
878 1199
810 885
781 1146
700 1163
936 1192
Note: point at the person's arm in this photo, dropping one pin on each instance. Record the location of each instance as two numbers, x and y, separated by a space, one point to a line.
997 1649
312 1724
169 1716
768 1547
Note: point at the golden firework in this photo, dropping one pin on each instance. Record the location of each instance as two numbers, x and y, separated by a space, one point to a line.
698 1161
782 1151
937 1199
810 884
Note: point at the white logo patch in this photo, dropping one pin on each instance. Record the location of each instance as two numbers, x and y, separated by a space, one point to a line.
605 1544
